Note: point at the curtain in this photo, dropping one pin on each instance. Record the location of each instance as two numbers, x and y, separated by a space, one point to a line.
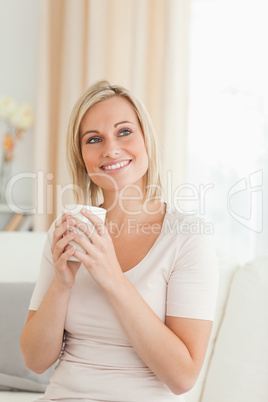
140 44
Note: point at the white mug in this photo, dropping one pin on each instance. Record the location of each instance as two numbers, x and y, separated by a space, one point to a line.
76 213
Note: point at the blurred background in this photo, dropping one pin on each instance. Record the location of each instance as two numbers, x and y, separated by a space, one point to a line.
199 66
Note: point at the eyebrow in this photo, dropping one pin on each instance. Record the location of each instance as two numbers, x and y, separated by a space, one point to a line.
122 122
115 125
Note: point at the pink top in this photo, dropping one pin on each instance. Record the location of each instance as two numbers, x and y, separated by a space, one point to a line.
177 277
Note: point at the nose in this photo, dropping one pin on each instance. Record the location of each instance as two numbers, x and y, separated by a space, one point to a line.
111 149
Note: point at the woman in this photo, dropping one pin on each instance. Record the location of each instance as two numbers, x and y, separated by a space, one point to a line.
135 314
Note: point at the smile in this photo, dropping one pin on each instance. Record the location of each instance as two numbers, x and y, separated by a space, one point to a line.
115 166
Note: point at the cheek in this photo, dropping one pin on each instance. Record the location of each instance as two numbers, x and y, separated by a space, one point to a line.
142 154
89 158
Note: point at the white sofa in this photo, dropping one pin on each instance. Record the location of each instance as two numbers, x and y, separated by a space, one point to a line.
236 364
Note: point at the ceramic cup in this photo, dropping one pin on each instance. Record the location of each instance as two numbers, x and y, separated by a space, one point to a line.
76 212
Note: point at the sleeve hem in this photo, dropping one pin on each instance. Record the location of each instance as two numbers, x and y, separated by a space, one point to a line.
190 311
34 305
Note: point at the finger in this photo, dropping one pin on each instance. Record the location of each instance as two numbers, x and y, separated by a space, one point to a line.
85 243
65 227
63 260
68 253
62 243
93 233
81 256
91 216
88 228
96 220
59 232
67 247
62 219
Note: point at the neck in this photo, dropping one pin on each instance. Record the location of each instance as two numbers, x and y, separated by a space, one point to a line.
123 204
121 210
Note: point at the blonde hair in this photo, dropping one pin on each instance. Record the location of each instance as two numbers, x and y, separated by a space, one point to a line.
85 190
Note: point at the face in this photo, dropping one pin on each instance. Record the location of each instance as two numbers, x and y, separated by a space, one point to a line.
112 145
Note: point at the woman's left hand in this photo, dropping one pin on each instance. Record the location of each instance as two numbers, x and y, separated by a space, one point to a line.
100 259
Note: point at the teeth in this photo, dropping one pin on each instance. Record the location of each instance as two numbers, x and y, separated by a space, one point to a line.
116 166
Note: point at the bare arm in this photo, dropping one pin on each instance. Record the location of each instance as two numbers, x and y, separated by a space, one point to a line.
42 336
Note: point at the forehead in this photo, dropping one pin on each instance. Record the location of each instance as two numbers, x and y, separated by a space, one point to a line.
109 111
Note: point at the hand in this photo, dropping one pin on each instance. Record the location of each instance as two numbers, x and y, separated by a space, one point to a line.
62 251
100 259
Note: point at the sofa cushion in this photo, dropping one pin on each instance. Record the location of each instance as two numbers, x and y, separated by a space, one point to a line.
238 370
7 396
14 302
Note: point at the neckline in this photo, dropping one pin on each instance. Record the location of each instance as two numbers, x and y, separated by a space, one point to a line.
154 244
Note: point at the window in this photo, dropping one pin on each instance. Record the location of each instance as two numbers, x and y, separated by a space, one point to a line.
228 121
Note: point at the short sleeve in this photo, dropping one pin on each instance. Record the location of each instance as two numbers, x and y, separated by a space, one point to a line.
193 283
46 273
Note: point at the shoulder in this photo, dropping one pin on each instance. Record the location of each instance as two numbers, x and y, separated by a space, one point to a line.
191 235
185 224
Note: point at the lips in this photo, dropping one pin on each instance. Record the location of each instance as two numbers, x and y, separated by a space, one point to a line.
117 165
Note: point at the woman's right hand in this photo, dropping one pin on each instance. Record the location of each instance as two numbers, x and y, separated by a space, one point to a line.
62 251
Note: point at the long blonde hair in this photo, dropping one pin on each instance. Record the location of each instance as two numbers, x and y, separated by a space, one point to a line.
85 190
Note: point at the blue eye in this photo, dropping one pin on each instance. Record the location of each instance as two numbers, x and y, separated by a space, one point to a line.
124 132
93 140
